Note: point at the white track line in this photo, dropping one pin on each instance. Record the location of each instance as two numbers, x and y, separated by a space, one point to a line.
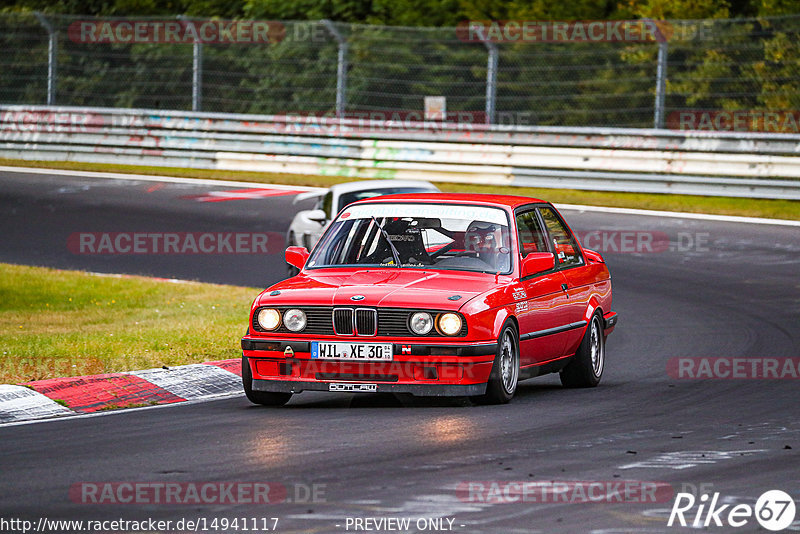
252 185
156 178
679 215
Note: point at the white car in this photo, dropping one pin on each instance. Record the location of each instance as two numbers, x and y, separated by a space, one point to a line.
308 225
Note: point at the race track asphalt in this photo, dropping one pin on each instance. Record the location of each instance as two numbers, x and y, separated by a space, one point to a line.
736 294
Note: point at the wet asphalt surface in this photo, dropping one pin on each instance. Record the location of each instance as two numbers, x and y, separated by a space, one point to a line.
718 290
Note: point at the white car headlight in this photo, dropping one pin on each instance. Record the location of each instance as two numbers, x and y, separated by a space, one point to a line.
450 324
421 323
294 319
269 318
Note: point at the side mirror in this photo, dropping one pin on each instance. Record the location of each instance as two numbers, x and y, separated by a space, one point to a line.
317 215
537 262
593 256
297 256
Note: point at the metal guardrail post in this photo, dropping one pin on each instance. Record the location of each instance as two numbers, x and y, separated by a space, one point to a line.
661 85
197 68
491 80
52 57
341 68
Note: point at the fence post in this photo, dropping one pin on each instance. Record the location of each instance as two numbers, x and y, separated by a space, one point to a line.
197 67
341 68
491 80
52 57
661 85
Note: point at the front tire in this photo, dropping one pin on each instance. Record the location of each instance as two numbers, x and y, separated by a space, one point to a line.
505 371
265 398
586 368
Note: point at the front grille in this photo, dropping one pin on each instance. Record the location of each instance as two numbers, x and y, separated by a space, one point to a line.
395 323
328 321
363 319
343 321
366 322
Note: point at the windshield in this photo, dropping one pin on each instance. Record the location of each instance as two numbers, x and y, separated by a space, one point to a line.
429 236
348 198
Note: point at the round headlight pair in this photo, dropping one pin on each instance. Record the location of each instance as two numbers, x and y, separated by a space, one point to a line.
421 323
270 319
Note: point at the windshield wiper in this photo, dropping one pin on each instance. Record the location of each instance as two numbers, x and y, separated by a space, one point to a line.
395 254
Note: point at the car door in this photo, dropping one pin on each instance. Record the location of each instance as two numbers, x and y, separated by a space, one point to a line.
540 298
572 265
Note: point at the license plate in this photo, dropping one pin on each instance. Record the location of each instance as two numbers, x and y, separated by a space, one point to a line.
369 352
357 388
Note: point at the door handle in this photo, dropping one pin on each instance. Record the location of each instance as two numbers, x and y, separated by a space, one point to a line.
564 287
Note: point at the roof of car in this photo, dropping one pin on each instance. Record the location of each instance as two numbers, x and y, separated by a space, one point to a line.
460 198
381 184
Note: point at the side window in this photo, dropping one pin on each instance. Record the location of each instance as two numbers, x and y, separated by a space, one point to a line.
563 243
326 205
531 237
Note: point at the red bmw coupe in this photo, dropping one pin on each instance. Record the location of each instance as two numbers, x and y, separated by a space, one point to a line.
433 294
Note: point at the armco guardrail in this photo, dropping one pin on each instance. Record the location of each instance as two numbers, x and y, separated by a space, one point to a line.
660 161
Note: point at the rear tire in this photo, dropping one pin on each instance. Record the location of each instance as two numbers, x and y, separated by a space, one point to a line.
505 371
586 368
265 398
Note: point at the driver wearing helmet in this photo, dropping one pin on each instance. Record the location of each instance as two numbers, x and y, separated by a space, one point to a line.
488 240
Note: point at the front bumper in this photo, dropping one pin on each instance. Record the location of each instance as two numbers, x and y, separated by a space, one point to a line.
283 365
422 390
609 321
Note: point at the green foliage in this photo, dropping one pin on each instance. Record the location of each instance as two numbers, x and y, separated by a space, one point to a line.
417 12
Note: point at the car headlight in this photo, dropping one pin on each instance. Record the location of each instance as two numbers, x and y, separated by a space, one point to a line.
294 319
450 324
269 318
421 323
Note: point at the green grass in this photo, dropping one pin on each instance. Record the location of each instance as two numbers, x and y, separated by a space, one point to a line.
774 209
65 323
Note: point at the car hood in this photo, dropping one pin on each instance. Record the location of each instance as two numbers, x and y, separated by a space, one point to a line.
400 288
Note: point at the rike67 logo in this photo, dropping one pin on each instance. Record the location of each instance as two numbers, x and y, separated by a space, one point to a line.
774 510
